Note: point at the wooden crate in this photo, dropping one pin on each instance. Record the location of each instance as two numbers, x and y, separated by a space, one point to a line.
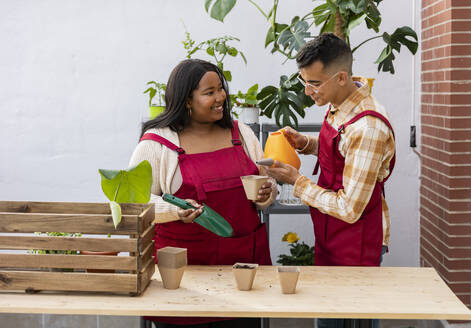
20 269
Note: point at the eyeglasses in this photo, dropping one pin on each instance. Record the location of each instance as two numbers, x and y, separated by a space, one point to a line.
313 87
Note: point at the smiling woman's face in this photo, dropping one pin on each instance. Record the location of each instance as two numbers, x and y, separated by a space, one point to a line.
207 101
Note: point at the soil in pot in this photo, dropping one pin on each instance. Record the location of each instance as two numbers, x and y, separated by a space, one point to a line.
244 274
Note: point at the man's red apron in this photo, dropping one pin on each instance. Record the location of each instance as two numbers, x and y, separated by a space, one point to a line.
338 242
213 178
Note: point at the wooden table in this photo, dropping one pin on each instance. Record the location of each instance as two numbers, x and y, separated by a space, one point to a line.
326 292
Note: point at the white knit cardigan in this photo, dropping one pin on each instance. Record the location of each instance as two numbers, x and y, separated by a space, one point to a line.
166 174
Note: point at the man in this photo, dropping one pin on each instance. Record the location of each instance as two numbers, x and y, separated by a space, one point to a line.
356 154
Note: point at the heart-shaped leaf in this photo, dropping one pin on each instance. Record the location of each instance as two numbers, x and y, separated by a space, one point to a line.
132 185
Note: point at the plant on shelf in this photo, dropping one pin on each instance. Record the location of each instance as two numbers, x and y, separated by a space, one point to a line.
288 100
132 185
158 106
247 104
300 253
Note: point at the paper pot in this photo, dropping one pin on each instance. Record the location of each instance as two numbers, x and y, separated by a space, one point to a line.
244 274
252 184
288 278
171 278
171 262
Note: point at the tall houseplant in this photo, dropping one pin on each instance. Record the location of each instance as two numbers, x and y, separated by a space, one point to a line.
288 100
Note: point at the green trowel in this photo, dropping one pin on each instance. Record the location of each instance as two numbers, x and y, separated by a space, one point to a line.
209 219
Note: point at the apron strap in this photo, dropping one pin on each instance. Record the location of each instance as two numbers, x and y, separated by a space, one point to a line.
316 168
163 141
235 134
385 120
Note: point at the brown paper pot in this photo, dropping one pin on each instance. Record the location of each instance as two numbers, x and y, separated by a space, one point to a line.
252 184
171 262
171 277
288 278
244 274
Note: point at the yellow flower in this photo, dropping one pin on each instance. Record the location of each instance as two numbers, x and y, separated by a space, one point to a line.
290 237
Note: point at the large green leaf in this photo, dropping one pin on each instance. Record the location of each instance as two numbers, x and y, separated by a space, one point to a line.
293 37
402 36
132 185
273 33
220 8
285 102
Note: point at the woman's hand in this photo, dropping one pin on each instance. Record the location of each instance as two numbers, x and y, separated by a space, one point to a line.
264 192
296 139
187 216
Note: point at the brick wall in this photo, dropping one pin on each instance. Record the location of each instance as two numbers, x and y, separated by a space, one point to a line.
445 209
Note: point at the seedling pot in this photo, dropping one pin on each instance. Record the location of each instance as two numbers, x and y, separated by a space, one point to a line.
252 184
244 274
171 262
288 276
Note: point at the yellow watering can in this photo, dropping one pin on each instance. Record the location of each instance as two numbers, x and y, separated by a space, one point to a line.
279 149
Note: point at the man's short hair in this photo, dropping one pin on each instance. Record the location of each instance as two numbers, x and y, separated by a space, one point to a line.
327 48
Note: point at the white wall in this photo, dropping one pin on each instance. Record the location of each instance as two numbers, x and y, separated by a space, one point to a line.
72 75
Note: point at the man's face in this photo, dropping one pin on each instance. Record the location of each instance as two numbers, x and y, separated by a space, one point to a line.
321 86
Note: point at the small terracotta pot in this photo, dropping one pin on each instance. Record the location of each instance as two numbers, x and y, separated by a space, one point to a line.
288 276
99 253
252 184
244 274
171 262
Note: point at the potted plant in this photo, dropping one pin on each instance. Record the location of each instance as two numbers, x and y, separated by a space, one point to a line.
132 185
287 101
158 106
247 105
300 253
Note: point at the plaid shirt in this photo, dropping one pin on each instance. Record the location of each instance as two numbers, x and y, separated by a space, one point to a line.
367 146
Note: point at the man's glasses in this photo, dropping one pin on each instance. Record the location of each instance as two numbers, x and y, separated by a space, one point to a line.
313 87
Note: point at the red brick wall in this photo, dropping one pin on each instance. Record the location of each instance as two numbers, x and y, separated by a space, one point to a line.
445 209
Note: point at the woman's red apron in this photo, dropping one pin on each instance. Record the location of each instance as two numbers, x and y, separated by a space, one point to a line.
213 178
338 242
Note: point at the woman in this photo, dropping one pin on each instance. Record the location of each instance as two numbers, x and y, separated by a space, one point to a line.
199 153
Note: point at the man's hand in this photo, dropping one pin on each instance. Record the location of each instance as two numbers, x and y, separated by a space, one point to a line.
296 139
187 216
283 173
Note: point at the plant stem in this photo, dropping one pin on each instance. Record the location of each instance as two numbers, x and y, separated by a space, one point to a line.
358 46
117 189
260 9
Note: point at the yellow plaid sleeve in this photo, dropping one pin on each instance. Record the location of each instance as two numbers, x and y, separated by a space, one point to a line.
363 159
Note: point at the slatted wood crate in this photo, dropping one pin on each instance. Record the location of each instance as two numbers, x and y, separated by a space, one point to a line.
20 269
